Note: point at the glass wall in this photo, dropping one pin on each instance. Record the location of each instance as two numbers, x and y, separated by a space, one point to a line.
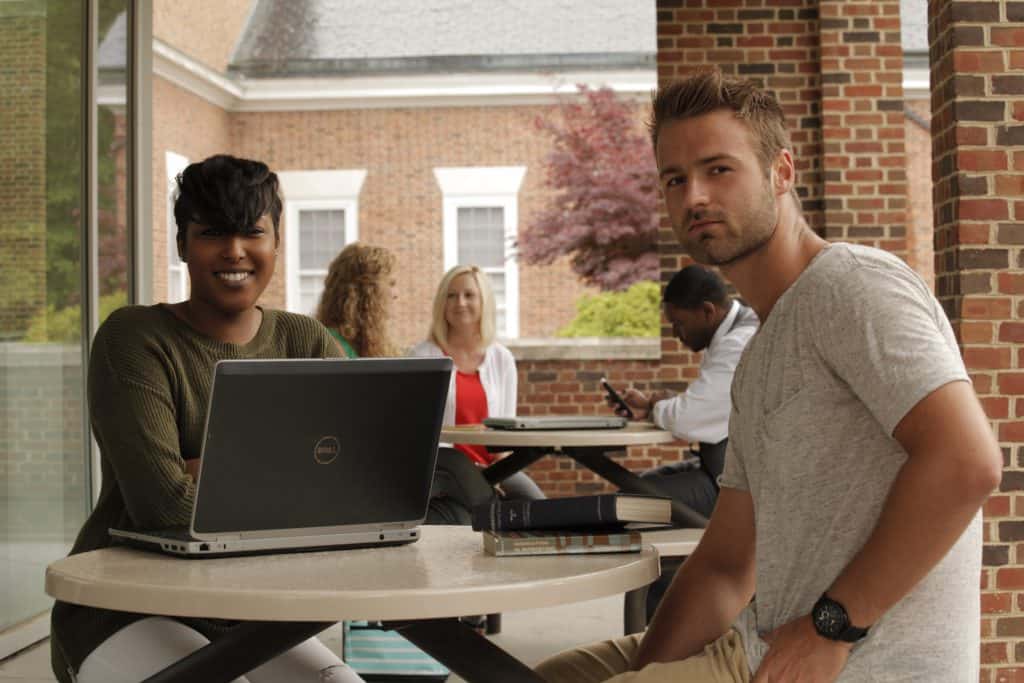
44 468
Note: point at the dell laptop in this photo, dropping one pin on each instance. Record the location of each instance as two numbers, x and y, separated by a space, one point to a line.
312 454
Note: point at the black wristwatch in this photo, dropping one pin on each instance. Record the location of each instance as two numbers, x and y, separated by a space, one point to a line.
831 621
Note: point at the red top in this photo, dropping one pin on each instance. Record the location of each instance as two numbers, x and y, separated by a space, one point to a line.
471 408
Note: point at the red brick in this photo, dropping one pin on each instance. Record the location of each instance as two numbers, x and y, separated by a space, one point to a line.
994 652
1011 383
1009 578
1011 431
986 308
996 407
1007 36
1011 332
970 61
1010 675
987 358
973 332
997 506
1011 283
1010 185
982 160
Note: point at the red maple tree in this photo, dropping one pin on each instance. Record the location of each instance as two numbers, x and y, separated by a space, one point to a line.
604 214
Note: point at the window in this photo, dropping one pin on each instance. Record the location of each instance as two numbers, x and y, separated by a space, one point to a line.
321 216
177 271
480 227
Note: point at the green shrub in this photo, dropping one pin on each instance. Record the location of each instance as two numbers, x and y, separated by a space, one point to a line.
632 313
65 325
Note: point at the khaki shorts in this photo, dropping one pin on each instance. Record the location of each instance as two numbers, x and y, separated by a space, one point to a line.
723 661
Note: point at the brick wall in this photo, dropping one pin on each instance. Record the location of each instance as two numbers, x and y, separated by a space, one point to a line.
192 127
978 168
400 205
862 123
22 166
571 386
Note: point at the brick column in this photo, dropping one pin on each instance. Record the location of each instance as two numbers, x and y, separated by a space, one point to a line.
977 70
862 117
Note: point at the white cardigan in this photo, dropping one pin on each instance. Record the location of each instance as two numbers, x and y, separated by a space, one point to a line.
497 376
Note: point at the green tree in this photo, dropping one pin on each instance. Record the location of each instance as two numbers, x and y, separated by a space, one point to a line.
64 326
64 148
634 312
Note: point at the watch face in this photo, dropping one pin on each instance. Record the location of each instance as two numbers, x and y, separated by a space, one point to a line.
830 618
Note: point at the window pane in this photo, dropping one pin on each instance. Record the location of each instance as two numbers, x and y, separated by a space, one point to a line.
310 288
482 235
43 473
498 285
321 237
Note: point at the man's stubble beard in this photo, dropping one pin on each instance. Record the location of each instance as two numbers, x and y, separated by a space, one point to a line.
763 219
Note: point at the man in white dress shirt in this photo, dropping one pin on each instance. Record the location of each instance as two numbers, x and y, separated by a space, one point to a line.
704 318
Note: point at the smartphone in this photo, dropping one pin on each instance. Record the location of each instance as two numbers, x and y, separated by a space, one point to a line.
614 396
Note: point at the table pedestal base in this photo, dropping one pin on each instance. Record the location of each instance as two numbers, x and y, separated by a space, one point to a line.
239 651
251 644
467 653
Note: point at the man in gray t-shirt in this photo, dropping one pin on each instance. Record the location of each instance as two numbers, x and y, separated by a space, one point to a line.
846 542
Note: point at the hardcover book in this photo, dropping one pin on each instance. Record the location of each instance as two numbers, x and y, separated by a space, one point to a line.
504 543
597 512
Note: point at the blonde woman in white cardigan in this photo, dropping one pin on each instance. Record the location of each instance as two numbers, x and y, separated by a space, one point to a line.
484 381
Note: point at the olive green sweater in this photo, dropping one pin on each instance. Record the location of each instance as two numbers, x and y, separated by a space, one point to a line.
149 383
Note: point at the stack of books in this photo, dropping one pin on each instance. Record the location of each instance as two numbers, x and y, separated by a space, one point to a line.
581 524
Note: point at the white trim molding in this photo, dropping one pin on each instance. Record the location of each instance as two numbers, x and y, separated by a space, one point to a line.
315 190
386 92
485 186
194 76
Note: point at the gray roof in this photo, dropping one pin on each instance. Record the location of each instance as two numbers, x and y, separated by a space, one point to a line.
914 25
113 48
294 37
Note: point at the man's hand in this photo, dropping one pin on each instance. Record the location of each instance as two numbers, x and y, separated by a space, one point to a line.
637 402
797 654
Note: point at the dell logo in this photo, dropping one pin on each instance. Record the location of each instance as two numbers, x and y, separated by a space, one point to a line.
326 450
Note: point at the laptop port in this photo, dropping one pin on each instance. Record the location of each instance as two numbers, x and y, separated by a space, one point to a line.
204 546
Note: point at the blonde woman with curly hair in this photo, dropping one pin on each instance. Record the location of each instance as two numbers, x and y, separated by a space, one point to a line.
484 381
357 298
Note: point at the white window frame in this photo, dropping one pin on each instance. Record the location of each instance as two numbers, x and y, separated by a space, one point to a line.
482 187
315 191
174 164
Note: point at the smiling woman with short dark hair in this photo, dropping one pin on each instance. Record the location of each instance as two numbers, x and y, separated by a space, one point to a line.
149 382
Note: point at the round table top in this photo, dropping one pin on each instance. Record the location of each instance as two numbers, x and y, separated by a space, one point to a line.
633 434
673 542
444 574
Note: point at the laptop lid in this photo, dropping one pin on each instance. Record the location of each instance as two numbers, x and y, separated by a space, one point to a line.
302 447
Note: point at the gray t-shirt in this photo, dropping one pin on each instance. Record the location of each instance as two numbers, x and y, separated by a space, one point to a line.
855 343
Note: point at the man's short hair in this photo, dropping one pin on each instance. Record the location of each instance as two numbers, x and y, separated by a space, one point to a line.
226 193
692 286
705 92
